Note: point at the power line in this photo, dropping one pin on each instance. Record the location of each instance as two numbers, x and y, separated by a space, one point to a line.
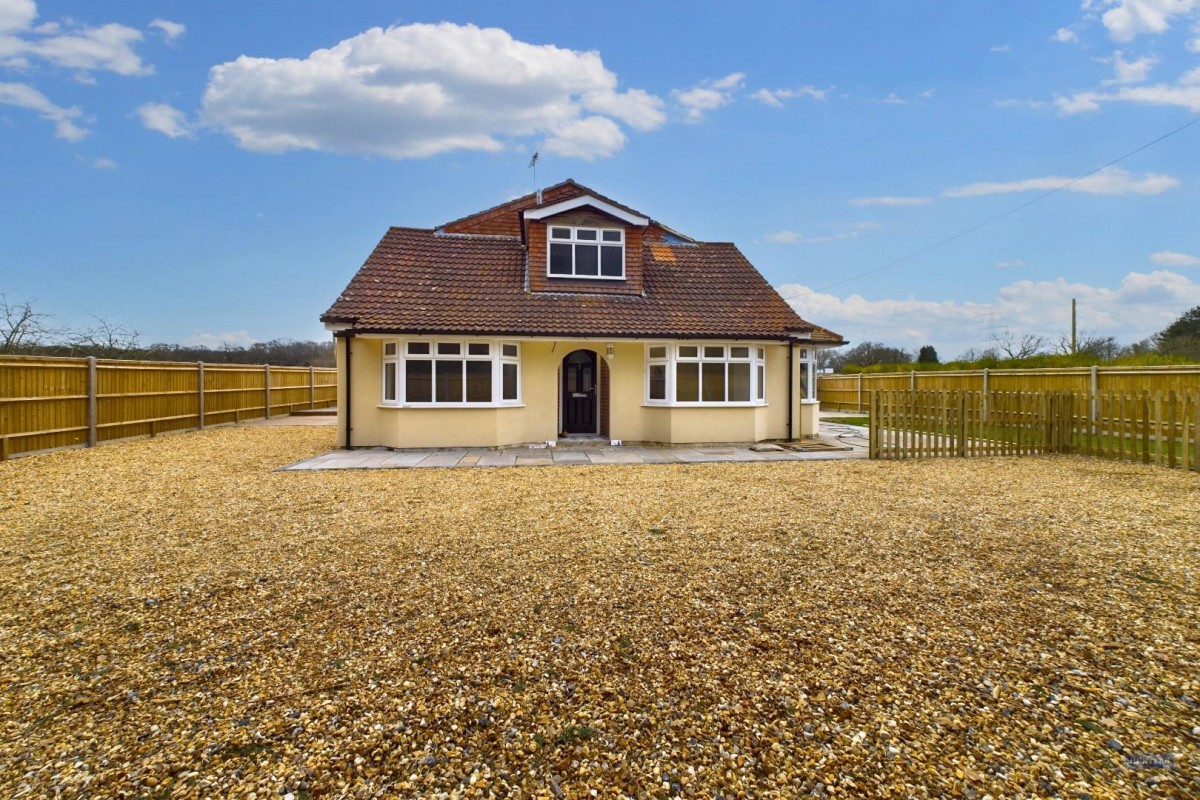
997 217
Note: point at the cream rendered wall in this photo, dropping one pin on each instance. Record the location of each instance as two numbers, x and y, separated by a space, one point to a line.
376 425
634 421
537 419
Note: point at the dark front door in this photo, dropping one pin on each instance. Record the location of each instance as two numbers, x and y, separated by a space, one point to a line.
579 392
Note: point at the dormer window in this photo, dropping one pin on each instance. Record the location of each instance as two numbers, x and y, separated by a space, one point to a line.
586 252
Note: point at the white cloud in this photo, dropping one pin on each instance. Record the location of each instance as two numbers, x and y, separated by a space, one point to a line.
1133 17
106 48
417 90
894 99
1141 304
890 201
1108 181
165 119
792 237
16 15
104 163
217 340
1014 264
775 97
1000 48
1065 35
170 30
707 96
1169 258
1125 72
587 138
65 120
1182 94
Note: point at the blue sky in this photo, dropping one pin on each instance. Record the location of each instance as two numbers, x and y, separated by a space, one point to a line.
216 172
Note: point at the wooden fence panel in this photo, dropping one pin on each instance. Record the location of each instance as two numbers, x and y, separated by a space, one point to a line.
1161 428
49 403
841 392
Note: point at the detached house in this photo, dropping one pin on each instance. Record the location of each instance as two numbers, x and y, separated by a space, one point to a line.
566 313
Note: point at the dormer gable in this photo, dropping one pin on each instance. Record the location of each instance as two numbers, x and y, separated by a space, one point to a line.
584 244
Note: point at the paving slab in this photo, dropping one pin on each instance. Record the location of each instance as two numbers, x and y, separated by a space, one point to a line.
383 458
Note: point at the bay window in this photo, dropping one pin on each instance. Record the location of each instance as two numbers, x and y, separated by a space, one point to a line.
451 373
708 374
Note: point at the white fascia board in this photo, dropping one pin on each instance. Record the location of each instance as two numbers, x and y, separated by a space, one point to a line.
586 200
338 326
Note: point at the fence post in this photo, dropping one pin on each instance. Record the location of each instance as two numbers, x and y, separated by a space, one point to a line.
860 392
1171 429
200 392
983 411
267 384
312 388
873 429
1094 391
1145 426
962 424
912 380
91 402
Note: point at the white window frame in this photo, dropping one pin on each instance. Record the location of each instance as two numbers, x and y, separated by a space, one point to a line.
672 358
495 357
575 241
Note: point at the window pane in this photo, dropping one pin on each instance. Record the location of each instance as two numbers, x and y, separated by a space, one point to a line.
478 348
389 381
510 350
612 236
762 382
585 234
612 265
713 383
510 381
687 383
658 381
739 383
560 233
389 349
761 355
658 352
479 381
418 381
418 348
449 348
560 259
714 352
587 259
449 382
739 352
688 351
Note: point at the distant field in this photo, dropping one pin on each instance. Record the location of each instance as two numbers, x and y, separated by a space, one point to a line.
179 620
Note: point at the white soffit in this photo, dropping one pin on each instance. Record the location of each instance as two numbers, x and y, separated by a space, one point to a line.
586 200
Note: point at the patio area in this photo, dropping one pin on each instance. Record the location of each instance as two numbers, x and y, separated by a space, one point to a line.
836 442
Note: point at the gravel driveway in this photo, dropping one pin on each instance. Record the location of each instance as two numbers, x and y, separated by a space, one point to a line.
179 620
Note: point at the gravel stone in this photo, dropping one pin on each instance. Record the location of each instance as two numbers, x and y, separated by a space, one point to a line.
181 620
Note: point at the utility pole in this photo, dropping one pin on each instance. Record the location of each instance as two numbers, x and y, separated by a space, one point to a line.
1074 342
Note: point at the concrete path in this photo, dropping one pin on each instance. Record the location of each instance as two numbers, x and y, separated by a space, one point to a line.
837 441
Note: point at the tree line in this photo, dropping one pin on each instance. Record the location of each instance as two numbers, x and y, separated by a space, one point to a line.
1177 343
26 331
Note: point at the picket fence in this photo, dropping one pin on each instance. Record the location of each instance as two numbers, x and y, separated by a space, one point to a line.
1150 428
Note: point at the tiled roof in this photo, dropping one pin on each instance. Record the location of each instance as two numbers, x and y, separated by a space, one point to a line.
419 281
